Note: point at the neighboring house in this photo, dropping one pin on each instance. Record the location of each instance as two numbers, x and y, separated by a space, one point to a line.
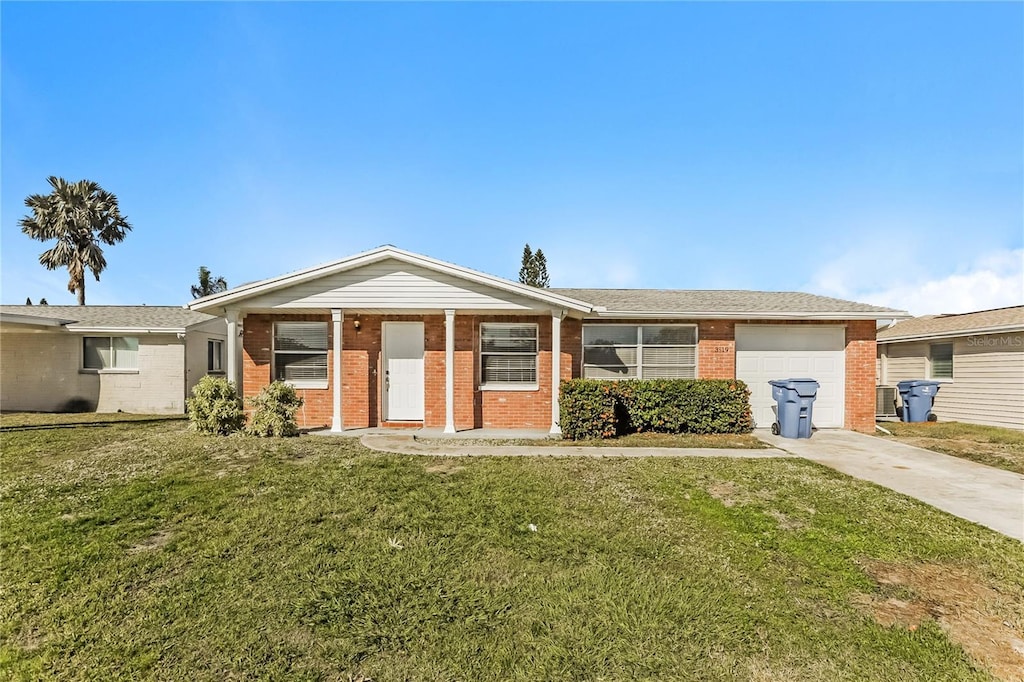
978 357
417 341
142 359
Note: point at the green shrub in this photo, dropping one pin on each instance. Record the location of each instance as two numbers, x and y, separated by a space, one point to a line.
587 409
215 407
685 406
274 413
603 409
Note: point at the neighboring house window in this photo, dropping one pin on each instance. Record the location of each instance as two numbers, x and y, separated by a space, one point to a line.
110 352
508 354
214 355
941 355
621 351
300 353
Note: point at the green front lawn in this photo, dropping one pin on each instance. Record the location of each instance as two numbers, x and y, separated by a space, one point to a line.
143 551
991 445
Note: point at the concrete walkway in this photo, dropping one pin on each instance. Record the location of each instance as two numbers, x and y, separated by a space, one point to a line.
986 495
410 445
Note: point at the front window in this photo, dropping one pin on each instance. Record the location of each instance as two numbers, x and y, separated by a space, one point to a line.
941 360
652 351
110 352
300 353
214 355
508 354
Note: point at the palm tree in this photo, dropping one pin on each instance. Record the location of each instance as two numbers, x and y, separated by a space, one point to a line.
208 284
80 216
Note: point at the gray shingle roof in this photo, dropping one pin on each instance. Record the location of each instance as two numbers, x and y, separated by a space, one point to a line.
113 316
968 323
719 301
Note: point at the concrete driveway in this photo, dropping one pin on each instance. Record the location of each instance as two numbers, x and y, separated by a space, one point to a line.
988 496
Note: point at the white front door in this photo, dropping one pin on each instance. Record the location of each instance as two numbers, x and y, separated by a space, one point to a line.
403 371
793 351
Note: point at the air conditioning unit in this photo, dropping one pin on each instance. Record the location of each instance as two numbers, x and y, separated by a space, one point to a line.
885 401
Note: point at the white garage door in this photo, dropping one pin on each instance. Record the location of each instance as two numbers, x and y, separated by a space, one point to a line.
771 352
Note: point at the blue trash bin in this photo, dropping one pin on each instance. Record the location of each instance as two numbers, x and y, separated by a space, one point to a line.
918 396
795 401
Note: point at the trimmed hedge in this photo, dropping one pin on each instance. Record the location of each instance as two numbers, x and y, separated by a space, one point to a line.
602 409
587 409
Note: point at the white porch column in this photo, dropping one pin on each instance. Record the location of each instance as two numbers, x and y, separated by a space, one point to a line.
337 318
233 329
556 369
449 371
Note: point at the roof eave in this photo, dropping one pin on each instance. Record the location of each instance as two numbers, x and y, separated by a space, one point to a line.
746 315
83 329
32 320
976 331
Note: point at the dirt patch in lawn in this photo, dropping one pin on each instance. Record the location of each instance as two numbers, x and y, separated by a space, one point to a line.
154 542
983 620
443 467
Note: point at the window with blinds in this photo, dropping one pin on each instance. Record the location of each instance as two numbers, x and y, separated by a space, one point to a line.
941 355
300 353
110 352
508 354
621 351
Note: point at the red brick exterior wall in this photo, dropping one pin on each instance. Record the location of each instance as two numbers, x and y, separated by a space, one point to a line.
480 408
860 375
716 349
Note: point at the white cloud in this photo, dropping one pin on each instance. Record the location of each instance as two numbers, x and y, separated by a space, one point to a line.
994 280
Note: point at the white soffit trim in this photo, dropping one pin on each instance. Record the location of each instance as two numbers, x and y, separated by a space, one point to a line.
375 255
14 318
125 330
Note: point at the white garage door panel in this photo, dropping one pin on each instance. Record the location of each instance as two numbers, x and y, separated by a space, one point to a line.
792 351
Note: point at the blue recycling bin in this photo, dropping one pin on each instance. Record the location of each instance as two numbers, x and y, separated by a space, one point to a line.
795 401
918 396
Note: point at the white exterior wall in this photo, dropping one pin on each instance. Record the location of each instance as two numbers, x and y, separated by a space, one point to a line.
195 351
988 378
391 285
41 371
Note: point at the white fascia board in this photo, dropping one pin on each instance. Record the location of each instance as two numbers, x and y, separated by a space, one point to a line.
14 318
752 315
979 331
225 299
125 330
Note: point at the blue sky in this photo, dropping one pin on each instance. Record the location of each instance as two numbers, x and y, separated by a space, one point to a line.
860 150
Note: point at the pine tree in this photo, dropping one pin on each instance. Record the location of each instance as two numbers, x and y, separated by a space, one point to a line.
28 301
526 269
541 265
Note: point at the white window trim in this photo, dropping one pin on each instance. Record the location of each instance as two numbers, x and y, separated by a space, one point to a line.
640 347
952 363
507 386
82 369
220 356
304 384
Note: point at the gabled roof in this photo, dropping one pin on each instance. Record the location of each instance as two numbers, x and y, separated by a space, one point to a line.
938 326
252 289
136 318
735 304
